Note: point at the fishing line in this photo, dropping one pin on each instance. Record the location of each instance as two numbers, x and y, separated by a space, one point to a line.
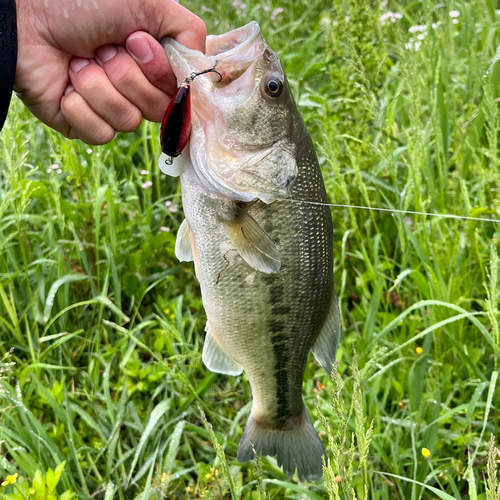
378 209
393 210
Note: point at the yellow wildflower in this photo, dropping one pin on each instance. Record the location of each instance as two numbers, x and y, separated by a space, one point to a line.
426 453
10 479
189 489
419 350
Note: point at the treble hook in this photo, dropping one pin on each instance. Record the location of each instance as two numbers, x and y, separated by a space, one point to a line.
193 75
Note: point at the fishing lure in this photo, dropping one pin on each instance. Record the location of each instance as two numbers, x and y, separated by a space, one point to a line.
176 123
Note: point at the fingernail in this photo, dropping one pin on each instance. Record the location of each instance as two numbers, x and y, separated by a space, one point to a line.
106 52
140 49
69 89
77 64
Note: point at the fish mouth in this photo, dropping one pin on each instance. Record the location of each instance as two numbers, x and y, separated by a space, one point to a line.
221 162
231 54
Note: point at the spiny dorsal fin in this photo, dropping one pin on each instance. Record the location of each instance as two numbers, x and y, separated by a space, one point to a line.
216 359
325 347
252 242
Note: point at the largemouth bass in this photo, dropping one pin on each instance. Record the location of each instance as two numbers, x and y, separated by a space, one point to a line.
264 263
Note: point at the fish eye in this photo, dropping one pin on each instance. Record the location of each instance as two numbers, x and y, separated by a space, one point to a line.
273 86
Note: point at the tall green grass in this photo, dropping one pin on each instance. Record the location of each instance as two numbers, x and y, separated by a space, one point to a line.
101 328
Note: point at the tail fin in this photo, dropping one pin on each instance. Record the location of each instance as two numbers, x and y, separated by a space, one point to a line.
297 447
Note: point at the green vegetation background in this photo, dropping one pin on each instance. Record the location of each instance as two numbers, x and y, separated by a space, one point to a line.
101 329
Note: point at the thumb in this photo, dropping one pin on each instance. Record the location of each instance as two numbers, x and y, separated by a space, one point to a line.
183 25
161 18
151 58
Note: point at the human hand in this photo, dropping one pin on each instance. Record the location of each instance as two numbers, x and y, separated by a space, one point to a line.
89 68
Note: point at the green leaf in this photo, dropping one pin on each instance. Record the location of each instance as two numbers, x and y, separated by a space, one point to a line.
155 416
69 278
441 494
175 440
50 481
39 484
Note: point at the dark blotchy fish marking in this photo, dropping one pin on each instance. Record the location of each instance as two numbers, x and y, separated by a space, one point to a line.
276 326
276 293
280 309
278 337
280 353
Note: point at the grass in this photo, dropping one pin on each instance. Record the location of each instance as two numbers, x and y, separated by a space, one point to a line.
101 328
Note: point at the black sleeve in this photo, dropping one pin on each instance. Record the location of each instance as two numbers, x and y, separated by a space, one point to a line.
8 54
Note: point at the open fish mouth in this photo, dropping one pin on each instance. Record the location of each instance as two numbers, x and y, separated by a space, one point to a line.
227 135
231 54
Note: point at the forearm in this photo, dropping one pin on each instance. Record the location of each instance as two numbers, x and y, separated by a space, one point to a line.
8 54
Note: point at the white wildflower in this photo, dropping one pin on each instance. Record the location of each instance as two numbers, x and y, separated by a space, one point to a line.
390 16
276 12
454 13
418 28
147 185
454 21
164 229
413 46
144 172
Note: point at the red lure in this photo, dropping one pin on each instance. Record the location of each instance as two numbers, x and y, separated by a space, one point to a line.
176 123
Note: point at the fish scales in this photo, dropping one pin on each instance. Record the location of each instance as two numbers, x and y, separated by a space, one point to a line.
282 311
265 263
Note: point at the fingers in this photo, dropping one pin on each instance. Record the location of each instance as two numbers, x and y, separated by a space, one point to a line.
152 60
127 77
85 124
92 83
113 93
93 107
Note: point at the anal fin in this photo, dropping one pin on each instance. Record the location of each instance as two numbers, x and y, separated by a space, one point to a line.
325 347
216 359
252 242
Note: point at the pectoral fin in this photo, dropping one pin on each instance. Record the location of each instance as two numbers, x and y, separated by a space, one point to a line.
183 243
253 244
325 347
216 358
